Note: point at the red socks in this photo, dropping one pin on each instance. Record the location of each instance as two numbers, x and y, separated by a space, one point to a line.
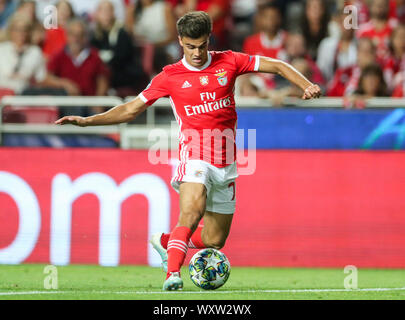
164 239
177 248
195 241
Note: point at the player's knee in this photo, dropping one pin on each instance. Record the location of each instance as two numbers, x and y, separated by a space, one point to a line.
215 243
190 218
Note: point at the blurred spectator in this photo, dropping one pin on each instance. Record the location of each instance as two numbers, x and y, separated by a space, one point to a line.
178 8
78 68
252 85
117 51
153 22
295 47
28 8
394 62
399 90
345 80
371 83
7 8
334 53
380 27
363 12
289 90
397 10
270 40
243 13
86 8
21 63
55 39
314 25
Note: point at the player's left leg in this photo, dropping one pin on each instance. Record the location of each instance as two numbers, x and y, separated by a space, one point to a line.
213 233
192 209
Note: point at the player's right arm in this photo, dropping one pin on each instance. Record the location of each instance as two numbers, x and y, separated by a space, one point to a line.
122 113
126 112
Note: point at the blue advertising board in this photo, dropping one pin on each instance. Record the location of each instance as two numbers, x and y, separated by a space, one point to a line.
334 129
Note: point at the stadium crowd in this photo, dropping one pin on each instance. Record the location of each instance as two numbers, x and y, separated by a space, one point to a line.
114 47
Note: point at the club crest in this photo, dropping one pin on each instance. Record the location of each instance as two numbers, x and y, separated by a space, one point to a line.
222 77
204 80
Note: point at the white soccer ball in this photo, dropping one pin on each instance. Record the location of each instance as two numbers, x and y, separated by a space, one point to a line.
209 269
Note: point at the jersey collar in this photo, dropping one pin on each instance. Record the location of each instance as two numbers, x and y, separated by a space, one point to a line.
190 67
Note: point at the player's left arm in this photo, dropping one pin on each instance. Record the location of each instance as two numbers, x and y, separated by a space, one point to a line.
269 65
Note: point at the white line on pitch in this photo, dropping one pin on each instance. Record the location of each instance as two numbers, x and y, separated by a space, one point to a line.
204 292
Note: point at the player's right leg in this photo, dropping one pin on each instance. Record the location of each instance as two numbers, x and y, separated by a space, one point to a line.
192 208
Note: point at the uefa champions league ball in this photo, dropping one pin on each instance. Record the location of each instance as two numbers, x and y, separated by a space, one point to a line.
209 269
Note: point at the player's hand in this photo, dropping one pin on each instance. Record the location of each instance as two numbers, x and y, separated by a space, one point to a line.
313 91
75 120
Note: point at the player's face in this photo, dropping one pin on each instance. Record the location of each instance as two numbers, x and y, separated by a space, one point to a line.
195 50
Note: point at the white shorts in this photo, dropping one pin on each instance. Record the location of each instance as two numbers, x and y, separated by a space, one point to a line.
220 183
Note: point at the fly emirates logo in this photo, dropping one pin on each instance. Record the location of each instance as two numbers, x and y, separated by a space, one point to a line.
209 104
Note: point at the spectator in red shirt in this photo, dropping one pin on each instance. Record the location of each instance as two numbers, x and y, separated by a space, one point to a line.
397 10
346 79
78 67
296 48
371 84
363 13
334 53
55 39
270 39
399 90
379 28
394 62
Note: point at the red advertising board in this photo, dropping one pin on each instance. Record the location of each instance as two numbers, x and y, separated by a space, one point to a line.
299 208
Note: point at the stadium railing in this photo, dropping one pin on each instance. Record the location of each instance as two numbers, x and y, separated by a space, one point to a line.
138 135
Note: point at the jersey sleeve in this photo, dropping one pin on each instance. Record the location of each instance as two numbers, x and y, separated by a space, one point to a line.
246 63
156 89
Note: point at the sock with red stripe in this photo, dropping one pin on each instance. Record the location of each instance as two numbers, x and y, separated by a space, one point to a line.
195 241
177 248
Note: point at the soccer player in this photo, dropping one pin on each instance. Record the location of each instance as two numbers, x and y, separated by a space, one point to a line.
200 87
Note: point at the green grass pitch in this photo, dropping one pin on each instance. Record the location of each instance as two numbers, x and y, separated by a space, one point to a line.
142 282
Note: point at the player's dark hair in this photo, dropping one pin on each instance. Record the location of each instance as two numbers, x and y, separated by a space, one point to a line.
268 5
194 25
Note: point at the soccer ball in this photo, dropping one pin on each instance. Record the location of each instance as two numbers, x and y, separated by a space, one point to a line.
209 269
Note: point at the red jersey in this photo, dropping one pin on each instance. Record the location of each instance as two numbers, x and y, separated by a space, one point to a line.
203 104
83 70
337 86
379 37
55 40
260 44
391 67
399 90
